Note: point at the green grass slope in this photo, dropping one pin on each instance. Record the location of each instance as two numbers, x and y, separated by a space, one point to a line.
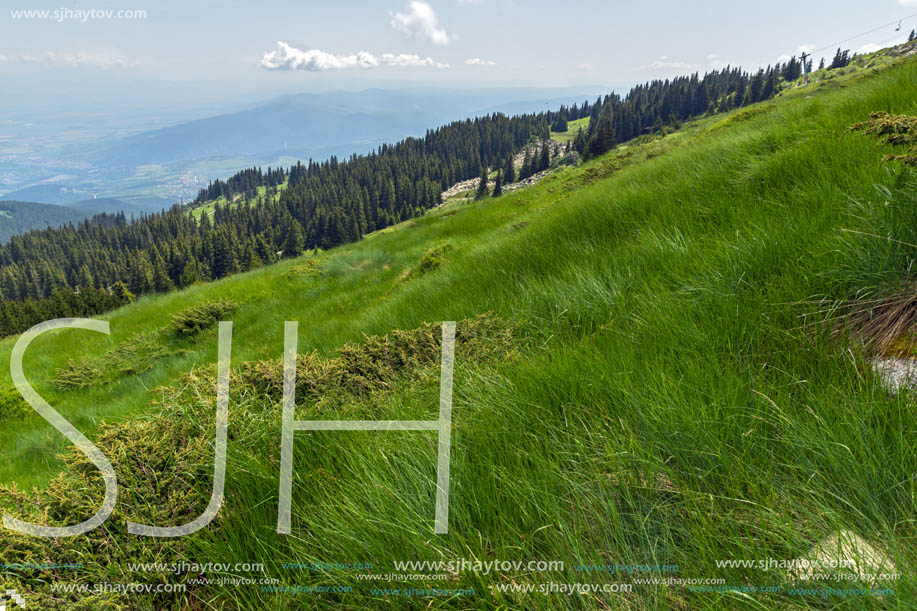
668 395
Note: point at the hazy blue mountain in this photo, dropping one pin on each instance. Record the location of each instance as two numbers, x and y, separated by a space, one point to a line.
153 168
18 217
111 205
319 125
47 194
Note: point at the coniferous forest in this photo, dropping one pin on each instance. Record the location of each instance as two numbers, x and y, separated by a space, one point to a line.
102 263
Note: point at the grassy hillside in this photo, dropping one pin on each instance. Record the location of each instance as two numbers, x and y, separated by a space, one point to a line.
655 383
209 207
572 128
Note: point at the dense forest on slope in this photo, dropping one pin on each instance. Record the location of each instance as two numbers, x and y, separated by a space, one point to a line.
61 272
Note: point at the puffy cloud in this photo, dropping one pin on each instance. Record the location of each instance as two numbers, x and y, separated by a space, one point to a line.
410 61
288 57
480 62
420 20
667 63
869 47
907 2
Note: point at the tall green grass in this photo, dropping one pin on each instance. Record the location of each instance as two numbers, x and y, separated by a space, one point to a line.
676 401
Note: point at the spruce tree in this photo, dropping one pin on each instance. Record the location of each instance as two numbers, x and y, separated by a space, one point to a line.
498 186
482 185
121 292
603 140
509 170
770 86
161 281
580 141
294 243
544 161
526 170
188 275
913 35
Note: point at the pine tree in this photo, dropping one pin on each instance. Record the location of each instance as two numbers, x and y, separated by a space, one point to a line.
509 170
580 141
913 35
161 281
544 161
821 65
121 292
770 86
188 275
294 243
603 140
498 186
526 170
482 185
841 59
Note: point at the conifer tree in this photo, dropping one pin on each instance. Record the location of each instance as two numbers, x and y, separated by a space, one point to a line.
770 85
294 243
526 169
161 281
544 161
188 275
482 185
603 140
498 186
913 35
509 170
121 292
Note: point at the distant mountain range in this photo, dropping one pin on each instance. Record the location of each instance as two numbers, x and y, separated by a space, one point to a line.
79 199
153 169
319 125
19 217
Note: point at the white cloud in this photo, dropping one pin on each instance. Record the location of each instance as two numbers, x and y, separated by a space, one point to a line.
288 57
869 47
712 56
410 61
807 49
474 61
667 63
421 20
471 1
907 2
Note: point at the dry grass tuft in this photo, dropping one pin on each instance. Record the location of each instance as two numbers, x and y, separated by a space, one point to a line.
892 129
887 326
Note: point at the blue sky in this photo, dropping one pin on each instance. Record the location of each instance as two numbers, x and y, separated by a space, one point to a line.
302 45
